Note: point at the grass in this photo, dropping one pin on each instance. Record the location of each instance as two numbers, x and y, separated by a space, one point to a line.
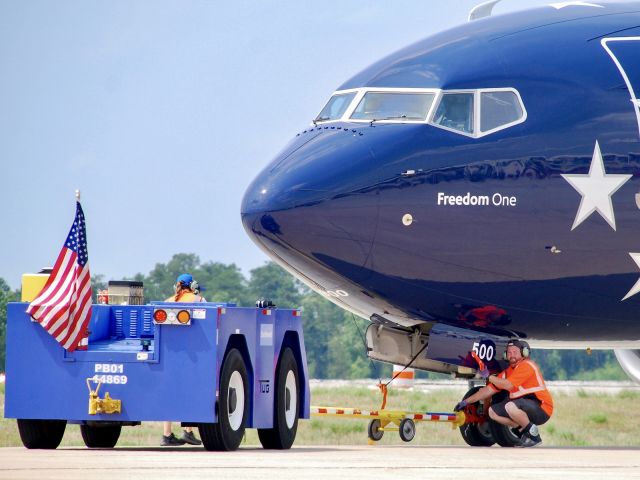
597 418
580 419
629 394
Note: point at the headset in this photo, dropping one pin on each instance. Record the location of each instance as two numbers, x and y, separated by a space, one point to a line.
192 284
194 287
525 350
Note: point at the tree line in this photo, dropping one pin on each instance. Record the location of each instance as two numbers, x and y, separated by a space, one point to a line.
334 338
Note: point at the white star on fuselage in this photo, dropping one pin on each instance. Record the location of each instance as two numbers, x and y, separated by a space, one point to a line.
636 288
560 5
596 189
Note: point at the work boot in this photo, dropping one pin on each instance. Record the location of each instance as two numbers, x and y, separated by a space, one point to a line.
531 436
190 438
531 440
171 441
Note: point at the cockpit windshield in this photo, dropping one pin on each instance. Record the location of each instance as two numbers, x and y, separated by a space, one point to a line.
335 107
393 106
473 112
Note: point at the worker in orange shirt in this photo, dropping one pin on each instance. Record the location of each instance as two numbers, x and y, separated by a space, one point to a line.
529 403
186 290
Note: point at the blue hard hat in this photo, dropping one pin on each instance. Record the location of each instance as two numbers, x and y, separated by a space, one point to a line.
185 279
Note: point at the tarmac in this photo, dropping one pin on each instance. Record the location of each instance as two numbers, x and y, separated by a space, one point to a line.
355 462
344 462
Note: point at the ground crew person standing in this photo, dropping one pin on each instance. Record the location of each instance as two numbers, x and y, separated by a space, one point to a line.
529 403
186 290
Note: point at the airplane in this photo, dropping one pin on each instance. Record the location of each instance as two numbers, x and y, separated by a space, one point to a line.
479 185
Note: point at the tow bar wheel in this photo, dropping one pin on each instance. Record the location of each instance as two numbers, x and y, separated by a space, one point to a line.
233 407
407 429
374 430
286 405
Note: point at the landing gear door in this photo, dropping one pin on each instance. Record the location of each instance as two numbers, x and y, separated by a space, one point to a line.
456 346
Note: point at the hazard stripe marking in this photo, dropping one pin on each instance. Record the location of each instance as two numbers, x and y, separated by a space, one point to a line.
356 412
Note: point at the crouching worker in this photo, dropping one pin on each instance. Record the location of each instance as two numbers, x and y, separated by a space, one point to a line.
186 290
529 403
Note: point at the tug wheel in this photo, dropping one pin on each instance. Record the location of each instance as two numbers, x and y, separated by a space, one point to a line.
407 429
286 405
232 408
374 430
45 434
100 436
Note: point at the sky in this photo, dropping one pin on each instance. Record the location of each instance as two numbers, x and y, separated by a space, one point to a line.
162 112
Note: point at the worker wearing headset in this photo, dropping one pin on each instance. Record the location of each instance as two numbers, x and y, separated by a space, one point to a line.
186 290
529 403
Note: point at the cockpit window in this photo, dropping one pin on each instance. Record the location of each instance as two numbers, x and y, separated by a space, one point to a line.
498 109
393 106
470 112
335 107
456 112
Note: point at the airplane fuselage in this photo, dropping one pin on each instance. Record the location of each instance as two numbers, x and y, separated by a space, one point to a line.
520 230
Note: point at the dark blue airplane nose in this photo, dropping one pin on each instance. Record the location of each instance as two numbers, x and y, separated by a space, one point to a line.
312 206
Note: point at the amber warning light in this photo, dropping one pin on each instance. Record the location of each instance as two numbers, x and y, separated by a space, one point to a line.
171 316
183 317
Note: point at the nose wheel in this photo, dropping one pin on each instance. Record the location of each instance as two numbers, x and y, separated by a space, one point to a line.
477 432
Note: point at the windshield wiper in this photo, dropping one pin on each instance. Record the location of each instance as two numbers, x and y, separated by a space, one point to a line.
395 118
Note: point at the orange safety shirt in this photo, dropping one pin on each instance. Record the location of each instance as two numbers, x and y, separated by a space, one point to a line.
526 379
187 297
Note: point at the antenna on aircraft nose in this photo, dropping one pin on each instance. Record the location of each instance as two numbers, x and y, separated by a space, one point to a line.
483 10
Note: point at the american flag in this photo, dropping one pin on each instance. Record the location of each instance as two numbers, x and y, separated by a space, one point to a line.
63 307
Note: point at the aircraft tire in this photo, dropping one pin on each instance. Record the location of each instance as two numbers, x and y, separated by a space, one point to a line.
100 436
286 409
41 434
477 435
233 406
503 435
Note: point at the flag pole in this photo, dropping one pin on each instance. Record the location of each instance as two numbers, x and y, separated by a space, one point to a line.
77 195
